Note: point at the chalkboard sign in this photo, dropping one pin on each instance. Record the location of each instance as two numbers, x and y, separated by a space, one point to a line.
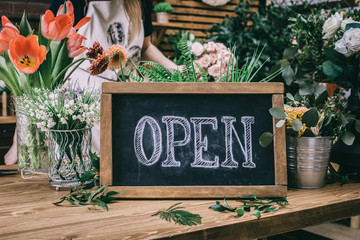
191 140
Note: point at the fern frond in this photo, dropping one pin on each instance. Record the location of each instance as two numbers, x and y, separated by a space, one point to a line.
181 217
189 69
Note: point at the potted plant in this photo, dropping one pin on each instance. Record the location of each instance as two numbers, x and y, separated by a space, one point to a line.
162 10
342 41
311 127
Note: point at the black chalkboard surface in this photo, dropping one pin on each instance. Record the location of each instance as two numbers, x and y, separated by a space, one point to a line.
189 138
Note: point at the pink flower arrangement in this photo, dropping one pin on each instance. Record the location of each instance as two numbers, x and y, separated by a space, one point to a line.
213 57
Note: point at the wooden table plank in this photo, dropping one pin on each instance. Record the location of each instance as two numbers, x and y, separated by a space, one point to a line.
27 212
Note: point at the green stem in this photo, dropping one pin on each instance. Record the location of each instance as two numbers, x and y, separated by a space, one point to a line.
70 65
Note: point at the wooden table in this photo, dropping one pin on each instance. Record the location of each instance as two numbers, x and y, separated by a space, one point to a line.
27 212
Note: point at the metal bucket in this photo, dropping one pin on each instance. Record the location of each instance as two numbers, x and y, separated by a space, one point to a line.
307 161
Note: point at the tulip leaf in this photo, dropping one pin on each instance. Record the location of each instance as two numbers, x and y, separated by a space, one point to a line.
25 28
277 112
310 117
265 139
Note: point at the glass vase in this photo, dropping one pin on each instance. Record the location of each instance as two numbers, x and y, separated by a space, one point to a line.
69 155
32 148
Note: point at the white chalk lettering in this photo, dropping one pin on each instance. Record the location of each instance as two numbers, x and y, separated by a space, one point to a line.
201 145
247 150
138 141
171 143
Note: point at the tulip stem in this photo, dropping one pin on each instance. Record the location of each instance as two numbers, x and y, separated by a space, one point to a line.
81 60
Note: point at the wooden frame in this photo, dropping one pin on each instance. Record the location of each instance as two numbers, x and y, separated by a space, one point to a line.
172 192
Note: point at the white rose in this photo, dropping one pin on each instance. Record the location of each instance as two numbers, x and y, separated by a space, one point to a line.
351 40
197 49
341 48
347 21
331 25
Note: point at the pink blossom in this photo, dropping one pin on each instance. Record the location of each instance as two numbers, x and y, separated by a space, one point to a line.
197 49
214 70
205 61
210 47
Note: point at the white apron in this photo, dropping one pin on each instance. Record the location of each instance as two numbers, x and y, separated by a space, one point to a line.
109 26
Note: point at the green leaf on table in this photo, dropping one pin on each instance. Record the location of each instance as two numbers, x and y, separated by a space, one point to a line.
101 204
87 176
98 191
228 206
348 138
240 211
257 212
296 125
179 216
277 113
310 117
266 139
271 209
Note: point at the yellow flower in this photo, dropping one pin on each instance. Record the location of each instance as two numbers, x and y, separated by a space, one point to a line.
294 113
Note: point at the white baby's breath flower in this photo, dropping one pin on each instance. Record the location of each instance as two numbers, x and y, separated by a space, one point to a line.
63 121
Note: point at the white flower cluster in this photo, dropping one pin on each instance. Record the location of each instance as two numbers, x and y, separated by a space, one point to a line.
64 109
350 42
213 57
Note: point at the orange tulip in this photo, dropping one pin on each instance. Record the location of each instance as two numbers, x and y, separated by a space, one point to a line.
7 34
74 44
70 13
55 28
26 54
69 10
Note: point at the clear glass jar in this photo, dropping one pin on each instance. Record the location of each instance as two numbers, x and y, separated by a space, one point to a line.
69 155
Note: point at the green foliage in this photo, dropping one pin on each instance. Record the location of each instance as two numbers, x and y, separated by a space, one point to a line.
163 7
173 43
81 197
193 72
249 29
259 205
179 216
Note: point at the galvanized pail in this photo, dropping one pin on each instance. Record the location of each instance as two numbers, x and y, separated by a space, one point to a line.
307 161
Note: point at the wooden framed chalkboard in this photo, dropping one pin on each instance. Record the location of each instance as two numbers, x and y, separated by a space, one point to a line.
191 140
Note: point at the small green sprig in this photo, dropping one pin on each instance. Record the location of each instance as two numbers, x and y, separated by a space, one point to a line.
251 201
179 216
81 197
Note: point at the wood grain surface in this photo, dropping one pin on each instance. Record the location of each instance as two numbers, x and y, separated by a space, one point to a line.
27 212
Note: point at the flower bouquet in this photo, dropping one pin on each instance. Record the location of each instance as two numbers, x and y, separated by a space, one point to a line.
324 117
67 113
29 61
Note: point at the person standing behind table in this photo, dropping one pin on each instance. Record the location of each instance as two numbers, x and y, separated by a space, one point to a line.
122 22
